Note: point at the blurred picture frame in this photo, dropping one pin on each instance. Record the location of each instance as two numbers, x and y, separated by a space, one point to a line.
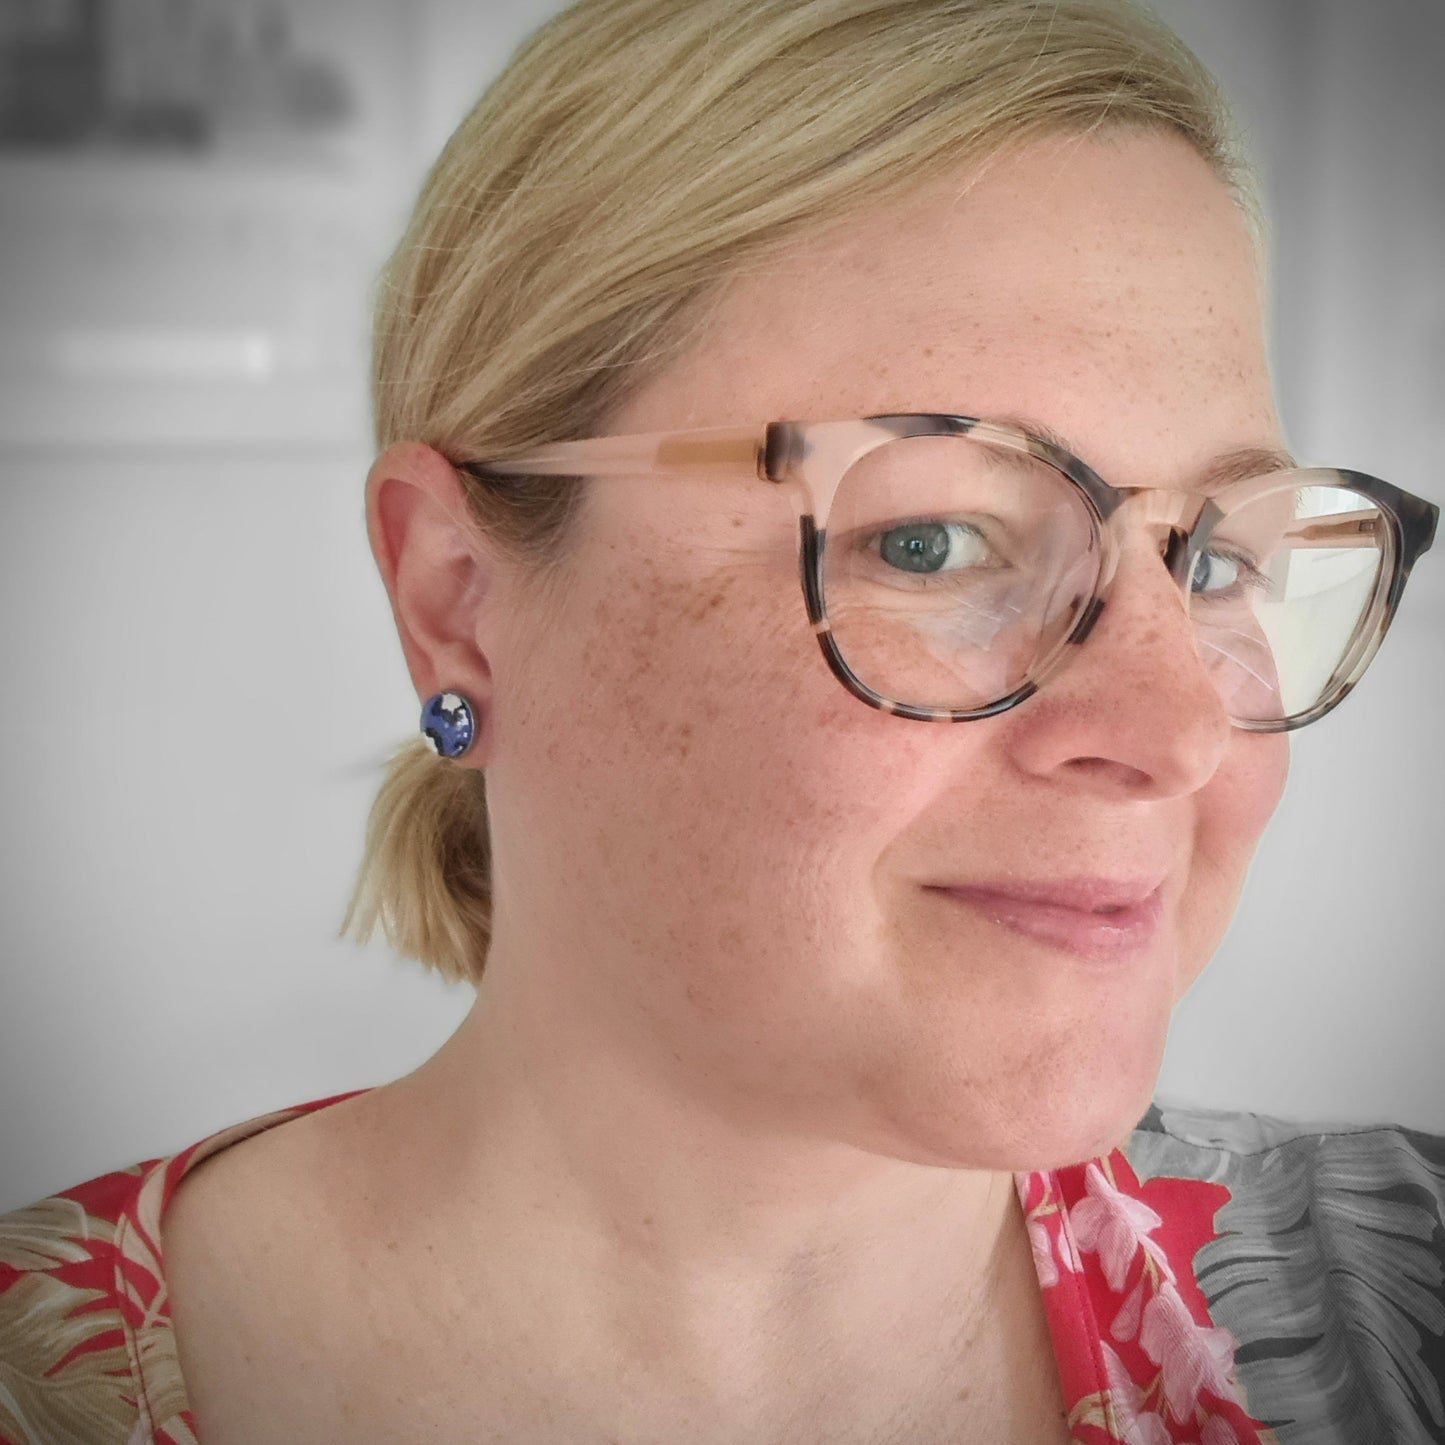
197 195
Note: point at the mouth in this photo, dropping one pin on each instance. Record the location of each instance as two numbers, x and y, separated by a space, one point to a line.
1097 931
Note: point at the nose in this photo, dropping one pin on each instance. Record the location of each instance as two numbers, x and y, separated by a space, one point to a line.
1133 711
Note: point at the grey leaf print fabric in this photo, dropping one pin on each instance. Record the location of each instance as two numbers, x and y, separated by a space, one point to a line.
1329 1268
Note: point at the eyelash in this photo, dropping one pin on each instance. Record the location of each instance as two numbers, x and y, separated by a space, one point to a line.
1250 578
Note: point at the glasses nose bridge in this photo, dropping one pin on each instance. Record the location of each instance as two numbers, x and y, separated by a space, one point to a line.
1159 507
1177 515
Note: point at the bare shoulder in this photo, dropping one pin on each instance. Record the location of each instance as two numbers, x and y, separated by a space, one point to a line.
280 1186
259 1243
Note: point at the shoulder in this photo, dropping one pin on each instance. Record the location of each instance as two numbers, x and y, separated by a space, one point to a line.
1328 1266
1288 1175
86 1347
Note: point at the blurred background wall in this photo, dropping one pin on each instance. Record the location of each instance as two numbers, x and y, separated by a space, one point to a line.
200 678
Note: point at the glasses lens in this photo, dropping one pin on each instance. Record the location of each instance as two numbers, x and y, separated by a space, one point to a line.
1281 596
953 568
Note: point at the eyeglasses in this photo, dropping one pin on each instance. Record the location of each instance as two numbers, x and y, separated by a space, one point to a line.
950 565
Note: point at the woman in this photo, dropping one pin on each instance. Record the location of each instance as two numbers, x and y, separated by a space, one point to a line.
799 1101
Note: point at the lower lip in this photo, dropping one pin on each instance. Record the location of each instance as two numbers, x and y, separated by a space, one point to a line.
1101 937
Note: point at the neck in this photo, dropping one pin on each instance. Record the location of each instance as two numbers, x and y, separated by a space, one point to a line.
651 1214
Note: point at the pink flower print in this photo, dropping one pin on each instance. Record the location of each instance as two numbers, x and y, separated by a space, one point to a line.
1044 1265
1140 1426
1218 1431
1126 1322
1192 1357
1068 1250
1161 1261
1049 1230
1112 1224
1044 1241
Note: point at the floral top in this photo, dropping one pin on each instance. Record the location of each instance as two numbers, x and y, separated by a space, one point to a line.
1225 1279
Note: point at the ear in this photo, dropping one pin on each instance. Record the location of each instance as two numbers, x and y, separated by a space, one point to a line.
438 567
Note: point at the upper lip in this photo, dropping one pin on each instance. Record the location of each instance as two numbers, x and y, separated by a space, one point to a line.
1087 894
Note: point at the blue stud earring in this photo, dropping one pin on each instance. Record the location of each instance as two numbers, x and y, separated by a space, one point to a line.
449 724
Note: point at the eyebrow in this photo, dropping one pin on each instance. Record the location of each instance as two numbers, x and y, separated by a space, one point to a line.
1219 471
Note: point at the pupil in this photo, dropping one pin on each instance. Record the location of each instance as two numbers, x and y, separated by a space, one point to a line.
921 548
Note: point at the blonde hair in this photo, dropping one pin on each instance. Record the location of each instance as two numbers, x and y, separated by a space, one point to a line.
631 156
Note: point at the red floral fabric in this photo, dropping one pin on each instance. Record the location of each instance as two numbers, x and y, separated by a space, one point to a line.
1140 1360
87 1356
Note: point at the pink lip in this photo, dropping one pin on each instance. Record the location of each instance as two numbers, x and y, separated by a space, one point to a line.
1063 914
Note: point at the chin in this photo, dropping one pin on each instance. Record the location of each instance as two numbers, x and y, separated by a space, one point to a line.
1088 1144
1056 1123
1072 1117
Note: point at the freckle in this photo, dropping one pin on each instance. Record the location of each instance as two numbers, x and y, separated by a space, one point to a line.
700 606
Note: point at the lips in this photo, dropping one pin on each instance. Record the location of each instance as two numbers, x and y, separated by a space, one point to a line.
1100 919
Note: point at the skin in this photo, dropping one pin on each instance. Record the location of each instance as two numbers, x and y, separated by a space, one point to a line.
737 1111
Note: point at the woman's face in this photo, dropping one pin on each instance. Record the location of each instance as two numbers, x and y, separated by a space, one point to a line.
716 864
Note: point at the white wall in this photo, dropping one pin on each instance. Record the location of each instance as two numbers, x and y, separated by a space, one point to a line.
201 680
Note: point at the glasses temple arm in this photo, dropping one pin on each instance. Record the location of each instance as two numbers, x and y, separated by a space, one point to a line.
721 452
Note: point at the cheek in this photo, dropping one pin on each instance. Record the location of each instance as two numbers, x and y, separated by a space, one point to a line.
712 692
1233 811
731 790
653 695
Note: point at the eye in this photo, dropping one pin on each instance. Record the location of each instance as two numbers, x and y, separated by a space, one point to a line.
1225 573
932 546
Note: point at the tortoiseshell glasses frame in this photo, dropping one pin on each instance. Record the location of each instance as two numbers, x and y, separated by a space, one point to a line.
812 458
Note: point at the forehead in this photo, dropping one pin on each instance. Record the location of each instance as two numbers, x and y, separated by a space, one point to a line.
1107 287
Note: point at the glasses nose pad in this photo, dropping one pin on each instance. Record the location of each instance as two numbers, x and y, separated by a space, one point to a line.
1085 625
1176 555
1075 583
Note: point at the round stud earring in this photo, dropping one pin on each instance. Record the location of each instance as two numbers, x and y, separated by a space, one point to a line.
449 724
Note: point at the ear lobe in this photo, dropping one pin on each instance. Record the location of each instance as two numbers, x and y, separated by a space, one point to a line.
437 565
